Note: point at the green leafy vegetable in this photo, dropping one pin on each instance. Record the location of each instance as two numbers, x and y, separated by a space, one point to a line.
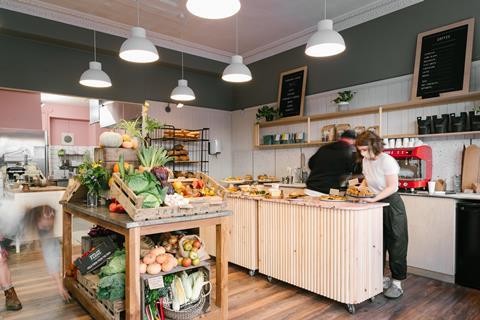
153 157
112 278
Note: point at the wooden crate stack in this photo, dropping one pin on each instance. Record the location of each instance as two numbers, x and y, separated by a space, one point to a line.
109 156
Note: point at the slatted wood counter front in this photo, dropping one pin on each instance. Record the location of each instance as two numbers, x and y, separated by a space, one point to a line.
122 224
334 249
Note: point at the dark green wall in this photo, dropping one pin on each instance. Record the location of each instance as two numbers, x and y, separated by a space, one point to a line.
43 55
379 49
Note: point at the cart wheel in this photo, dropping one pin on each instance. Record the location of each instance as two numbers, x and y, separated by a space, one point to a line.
372 299
351 308
269 279
251 273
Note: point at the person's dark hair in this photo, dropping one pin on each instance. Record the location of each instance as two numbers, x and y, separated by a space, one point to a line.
349 134
372 141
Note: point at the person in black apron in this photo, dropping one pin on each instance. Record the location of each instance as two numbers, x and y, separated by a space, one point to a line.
381 177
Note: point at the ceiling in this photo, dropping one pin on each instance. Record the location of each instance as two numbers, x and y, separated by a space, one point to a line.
266 27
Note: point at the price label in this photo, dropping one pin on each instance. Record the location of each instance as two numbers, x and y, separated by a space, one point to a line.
156 282
353 182
334 192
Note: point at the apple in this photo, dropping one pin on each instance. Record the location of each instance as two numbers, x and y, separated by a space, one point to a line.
180 261
186 254
194 249
186 262
193 255
197 244
196 262
187 246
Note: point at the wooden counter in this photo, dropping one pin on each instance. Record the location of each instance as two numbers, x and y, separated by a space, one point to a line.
132 231
334 249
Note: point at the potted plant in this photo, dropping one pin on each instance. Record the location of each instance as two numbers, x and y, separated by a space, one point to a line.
95 178
344 98
267 112
476 110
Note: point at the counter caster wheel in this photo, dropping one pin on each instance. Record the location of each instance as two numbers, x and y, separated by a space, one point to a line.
350 308
251 273
269 279
372 299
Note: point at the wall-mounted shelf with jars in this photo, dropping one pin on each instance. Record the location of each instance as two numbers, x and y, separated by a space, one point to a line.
413 104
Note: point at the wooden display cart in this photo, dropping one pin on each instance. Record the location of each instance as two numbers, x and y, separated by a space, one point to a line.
132 231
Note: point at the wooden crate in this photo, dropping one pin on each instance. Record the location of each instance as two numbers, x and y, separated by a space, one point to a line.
109 156
113 310
133 203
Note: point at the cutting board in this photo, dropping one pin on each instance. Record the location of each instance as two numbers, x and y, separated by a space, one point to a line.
470 166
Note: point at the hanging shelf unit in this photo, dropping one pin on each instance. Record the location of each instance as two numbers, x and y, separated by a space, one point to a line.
412 104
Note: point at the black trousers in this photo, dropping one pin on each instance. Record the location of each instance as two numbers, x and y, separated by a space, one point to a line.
395 236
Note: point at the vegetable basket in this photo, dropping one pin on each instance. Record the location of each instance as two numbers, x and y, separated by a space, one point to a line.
133 203
193 309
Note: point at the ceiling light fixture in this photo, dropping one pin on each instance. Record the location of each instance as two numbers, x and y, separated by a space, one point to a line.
180 105
213 9
236 71
95 77
138 48
325 42
182 92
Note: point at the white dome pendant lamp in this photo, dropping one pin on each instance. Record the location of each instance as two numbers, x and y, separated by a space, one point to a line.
236 71
182 92
325 42
95 77
138 48
213 9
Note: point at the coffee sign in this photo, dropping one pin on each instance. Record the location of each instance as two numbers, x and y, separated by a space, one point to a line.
443 61
291 92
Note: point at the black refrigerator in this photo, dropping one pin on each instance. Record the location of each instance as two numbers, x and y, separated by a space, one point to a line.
468 244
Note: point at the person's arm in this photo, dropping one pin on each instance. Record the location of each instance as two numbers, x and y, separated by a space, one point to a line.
391 188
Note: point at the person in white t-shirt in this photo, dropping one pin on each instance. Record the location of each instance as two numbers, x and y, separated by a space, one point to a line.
381 176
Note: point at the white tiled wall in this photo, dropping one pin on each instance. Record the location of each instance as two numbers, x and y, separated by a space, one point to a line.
447 152
218 121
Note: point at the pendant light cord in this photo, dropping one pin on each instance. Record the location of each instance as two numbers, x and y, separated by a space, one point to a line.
182 64
324 11
94 46
138 13
236 34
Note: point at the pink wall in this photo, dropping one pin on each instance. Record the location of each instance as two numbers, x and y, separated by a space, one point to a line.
73 119
20 110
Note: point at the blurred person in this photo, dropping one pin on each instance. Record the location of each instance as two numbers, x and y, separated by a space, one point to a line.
332 165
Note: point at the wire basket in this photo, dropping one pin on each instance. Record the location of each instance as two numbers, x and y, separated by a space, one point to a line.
190 310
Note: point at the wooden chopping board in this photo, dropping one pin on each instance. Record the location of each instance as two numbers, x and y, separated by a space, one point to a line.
470 166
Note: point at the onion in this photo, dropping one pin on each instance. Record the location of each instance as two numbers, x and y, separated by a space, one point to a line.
172 240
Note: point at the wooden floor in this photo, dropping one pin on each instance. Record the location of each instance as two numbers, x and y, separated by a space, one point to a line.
256 298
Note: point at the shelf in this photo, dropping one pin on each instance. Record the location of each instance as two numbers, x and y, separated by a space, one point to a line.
412 104
433 135
292 145
283 121
178 139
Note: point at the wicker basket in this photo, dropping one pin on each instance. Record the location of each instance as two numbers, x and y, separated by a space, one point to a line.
194 309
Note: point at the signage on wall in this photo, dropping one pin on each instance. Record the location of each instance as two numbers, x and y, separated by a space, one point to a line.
291 92
443 61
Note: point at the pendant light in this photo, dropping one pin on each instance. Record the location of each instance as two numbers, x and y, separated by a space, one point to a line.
95 77
213 9
325 42
182 92
138 48
236 71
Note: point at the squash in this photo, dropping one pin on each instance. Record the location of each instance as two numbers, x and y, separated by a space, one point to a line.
162 258
126 137
110 139
135 143
127 145
149 259
154 268
157 251
143 267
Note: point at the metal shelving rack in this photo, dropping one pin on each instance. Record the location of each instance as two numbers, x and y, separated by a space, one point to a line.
197 148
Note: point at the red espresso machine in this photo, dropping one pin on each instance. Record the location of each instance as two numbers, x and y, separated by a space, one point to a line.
415 166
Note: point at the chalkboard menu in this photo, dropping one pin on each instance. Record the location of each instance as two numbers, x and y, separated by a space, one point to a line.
291 92
443 61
